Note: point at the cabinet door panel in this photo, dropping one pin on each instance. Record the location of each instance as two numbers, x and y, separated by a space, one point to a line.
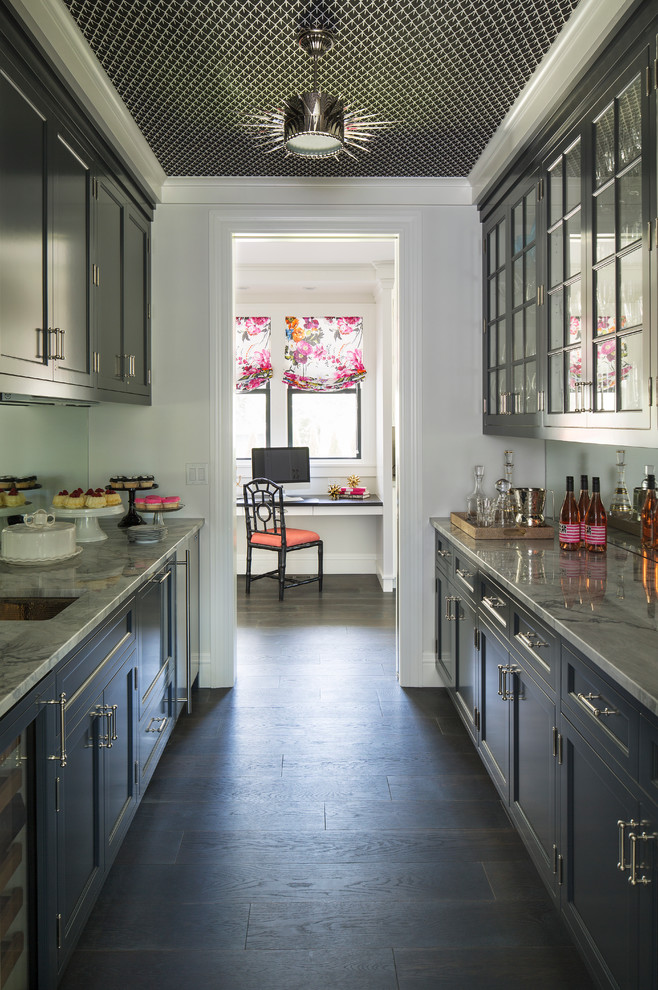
496 699
22 234
445 656
119 758
109 287
466 661
598 900
80 857
69 269
534 742
136 321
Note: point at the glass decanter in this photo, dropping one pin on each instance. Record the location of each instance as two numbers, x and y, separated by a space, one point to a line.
621 503
477 493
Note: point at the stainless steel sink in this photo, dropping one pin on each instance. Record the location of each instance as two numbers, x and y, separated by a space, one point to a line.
32 609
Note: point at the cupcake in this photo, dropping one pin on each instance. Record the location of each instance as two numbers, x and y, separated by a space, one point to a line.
76 499
59 501
131 482
7 481
140 502
118 481
146 480
13 497
28 481
153 502
112 497
95 498
171 502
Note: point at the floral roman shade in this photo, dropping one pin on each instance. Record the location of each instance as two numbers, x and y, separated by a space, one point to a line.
252 352
324 354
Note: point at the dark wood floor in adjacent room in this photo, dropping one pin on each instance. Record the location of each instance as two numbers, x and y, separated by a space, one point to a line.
319 827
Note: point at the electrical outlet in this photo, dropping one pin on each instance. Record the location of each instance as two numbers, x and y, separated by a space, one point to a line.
196 474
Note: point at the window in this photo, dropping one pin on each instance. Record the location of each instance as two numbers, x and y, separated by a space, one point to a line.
328 423
251 419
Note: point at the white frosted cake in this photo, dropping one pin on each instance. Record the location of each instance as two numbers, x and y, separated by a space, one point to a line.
40 541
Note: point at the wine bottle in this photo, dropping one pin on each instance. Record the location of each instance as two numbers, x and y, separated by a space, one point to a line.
650 516
583 506
596 523
569 527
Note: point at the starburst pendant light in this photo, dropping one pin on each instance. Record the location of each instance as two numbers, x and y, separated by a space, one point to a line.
314 124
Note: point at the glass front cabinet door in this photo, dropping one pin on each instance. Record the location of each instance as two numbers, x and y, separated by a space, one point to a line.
510 327
596 298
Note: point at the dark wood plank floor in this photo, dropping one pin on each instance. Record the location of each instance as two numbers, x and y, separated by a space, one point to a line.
318 827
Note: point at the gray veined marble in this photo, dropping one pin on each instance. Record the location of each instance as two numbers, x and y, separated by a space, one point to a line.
103 576
604 604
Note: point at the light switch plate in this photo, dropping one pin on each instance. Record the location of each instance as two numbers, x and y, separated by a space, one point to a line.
196 474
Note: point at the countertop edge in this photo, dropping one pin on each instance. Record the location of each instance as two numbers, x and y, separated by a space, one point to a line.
46 665
568 634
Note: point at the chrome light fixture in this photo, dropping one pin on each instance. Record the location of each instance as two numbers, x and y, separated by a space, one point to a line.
314 124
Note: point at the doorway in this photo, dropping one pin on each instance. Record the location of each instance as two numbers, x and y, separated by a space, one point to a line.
325 223
276 278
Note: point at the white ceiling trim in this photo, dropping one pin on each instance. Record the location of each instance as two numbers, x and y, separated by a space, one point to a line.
587 31
225 191
51 25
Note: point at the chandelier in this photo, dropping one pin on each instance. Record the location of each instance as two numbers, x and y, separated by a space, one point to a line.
314 124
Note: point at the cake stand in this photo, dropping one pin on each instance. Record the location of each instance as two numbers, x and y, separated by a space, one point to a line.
132 517
87 529
158 513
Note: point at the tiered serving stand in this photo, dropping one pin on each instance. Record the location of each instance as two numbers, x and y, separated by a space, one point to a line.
14 513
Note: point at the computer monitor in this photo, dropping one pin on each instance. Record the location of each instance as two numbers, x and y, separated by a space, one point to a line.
283 465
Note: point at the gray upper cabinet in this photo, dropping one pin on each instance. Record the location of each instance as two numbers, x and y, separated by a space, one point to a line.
121 291
75 247
569 264
23 343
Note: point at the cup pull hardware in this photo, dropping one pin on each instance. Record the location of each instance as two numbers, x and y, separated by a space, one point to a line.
587 699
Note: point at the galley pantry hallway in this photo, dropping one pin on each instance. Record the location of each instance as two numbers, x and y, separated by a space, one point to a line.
318 827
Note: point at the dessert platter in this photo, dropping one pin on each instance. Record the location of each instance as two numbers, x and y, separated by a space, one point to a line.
157 505
39 540
85 509
133 484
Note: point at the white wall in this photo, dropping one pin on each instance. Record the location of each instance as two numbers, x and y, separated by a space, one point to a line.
176 430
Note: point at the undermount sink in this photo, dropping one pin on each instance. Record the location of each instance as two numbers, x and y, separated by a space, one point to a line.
32 609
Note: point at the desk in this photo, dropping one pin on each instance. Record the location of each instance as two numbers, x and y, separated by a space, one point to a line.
351 541
324 505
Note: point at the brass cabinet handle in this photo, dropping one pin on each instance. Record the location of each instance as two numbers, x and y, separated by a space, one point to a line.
492 602
464 575
586 701
444 553
61 701
622 865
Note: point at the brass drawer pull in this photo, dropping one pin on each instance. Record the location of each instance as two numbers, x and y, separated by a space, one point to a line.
492 602
162 722
464 575
587 699
444 553
633 840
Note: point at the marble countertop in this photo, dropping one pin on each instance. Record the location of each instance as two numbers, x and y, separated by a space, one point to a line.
597 603
100 578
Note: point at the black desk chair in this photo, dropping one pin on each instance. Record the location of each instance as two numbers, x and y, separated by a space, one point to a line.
266 530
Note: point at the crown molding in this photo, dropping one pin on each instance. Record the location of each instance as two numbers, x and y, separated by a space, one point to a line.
251 191
588 30
52 27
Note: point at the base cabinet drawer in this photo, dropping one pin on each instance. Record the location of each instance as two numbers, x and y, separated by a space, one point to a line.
155 726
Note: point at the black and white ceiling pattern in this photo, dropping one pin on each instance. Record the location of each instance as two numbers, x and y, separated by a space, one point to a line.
446 71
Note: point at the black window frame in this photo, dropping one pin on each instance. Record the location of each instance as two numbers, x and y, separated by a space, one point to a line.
356 390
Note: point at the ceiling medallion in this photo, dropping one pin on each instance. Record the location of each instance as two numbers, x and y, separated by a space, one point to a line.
314 124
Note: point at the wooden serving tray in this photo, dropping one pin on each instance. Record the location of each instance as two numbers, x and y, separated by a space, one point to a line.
500 532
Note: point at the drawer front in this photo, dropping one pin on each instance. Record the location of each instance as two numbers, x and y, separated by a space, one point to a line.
155 726
443 554
98 656
465 575
495 604
537 645
607 719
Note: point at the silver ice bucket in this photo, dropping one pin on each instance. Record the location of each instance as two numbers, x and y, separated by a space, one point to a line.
529 504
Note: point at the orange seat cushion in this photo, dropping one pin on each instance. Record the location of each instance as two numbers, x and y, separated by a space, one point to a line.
293 537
